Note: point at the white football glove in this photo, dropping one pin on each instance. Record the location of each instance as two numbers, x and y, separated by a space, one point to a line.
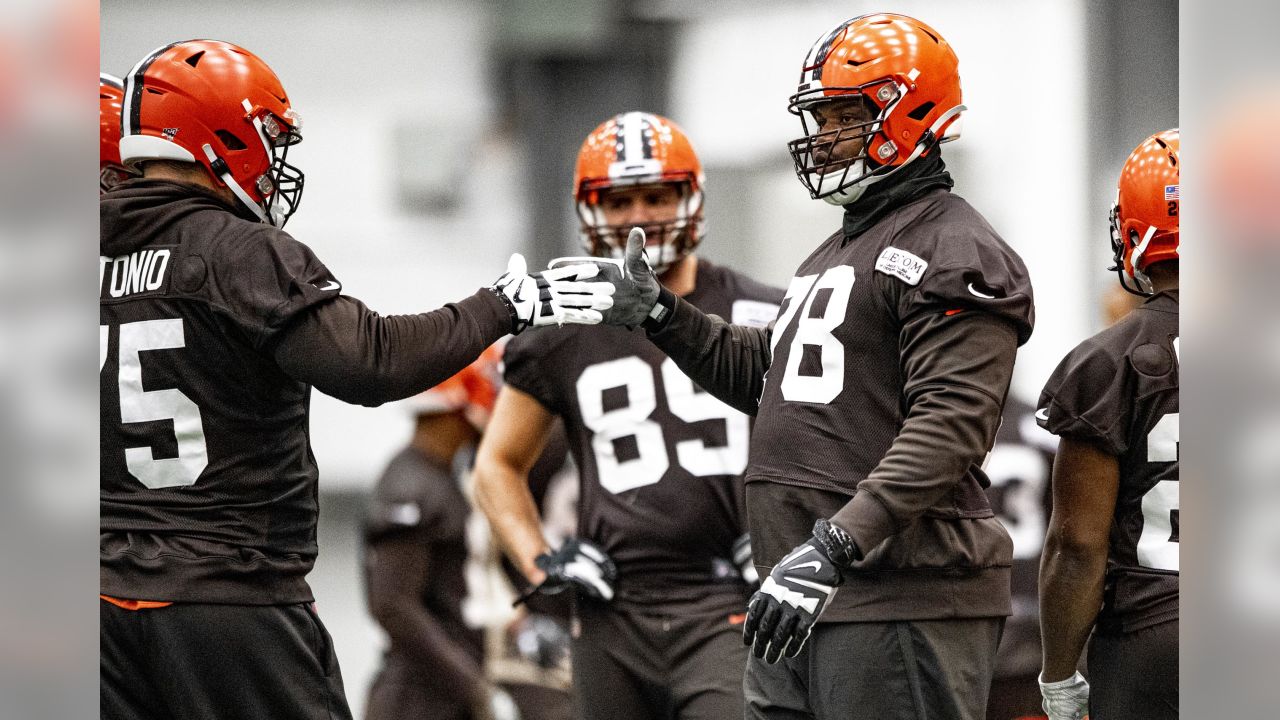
636 294
1065 699
552 297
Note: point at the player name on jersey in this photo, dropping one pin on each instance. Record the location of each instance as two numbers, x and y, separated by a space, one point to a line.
138 272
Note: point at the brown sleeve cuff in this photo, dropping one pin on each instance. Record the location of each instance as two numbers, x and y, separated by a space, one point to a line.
866 520
684 333
492 317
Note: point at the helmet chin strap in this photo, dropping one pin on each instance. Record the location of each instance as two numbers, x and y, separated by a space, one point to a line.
1138 252
855 191
224 173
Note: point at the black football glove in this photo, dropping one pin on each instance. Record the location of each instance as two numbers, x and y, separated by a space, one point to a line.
638 299
551 297
784 610
581 565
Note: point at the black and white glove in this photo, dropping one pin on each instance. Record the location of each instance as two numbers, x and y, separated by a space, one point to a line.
743 560
552 297
638 298
1065 699
581 565
784 610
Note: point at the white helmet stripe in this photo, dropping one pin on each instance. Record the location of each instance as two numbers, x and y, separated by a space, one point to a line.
818 53
632 146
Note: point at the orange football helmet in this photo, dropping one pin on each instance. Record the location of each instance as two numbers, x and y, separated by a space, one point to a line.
473 391
1144 219
111 171
631 149
219 105
906 72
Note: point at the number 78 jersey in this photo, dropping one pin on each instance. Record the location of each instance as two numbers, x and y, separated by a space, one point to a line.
856 312
1119 389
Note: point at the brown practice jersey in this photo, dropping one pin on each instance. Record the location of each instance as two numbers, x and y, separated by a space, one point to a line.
421 499
208 480
659 459
213 329
874 328
1119 389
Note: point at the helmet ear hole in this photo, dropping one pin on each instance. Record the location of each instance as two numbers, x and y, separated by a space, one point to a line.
230 141
921 111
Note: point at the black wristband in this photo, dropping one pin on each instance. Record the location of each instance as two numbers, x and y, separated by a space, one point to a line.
836 543
662 311
516 325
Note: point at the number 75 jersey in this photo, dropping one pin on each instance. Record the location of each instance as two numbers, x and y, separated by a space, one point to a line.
1119 389
208 483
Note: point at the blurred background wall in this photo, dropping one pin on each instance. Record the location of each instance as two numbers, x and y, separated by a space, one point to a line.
441 136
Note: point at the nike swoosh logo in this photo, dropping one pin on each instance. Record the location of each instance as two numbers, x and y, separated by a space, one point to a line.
814 564
518 297
982 295
1042 414
333 285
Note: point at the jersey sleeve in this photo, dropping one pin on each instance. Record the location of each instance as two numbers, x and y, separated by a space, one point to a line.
967 270
1085 397
406 501
524 367
266 278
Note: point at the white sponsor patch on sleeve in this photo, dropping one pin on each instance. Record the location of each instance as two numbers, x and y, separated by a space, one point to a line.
901 264
753 313
407 514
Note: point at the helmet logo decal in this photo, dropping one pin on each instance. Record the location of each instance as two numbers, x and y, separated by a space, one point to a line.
169 132
633 146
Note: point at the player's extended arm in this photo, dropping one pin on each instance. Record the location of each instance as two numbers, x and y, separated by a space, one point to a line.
354 354
729 361
348 351
1086 480
957 370
399 572
513 440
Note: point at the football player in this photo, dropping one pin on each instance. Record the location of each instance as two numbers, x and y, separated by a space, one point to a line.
1018 468
1111 555
660 512
215 323
886 572
111 171
415 554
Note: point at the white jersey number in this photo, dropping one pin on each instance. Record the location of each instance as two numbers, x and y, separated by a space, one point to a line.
1024 474
632 378
140 405
815 331
1157 545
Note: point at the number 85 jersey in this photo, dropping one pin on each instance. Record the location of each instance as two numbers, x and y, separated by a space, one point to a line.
660 459
1119 389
